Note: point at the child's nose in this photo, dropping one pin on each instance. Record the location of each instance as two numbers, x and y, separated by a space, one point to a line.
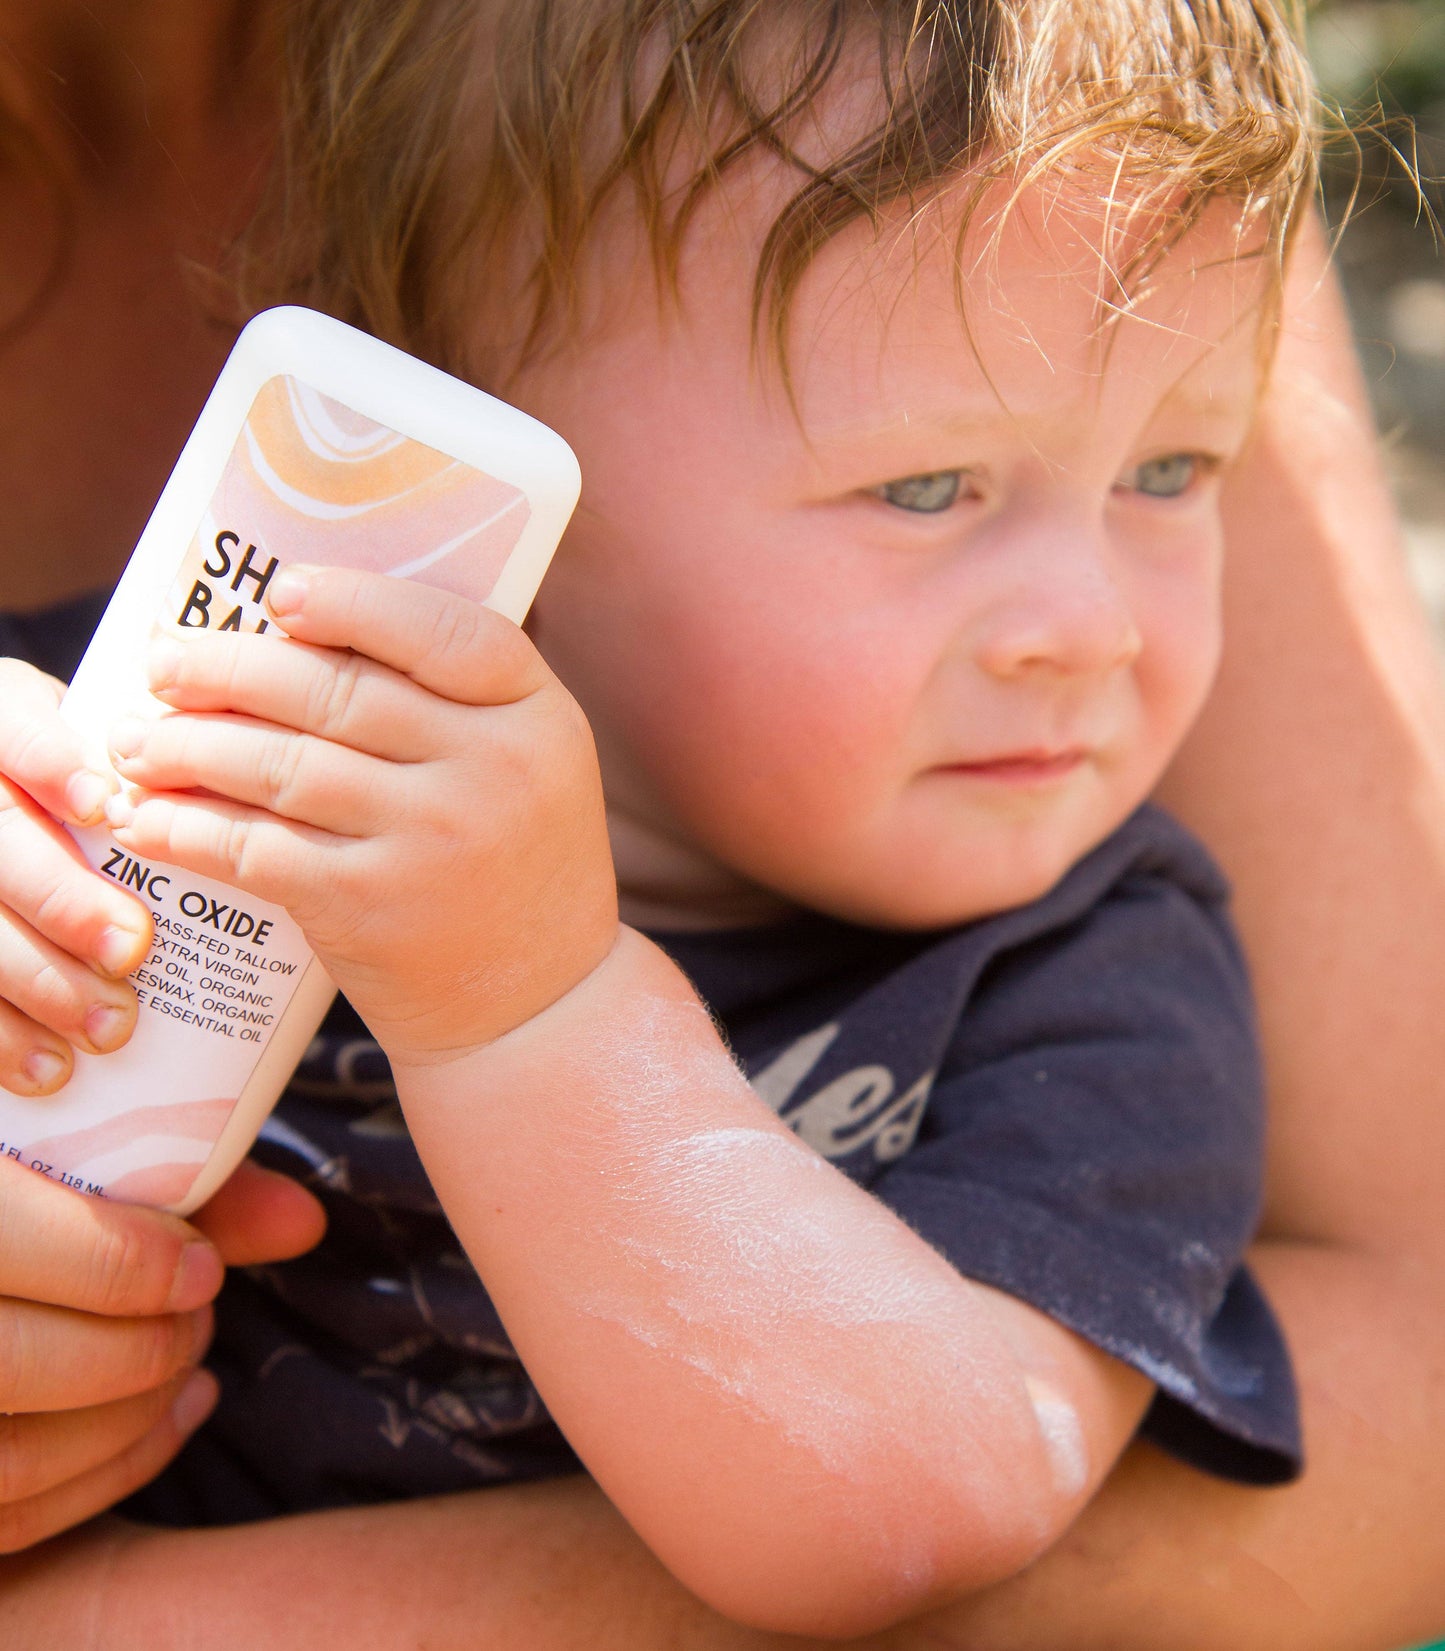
1064 612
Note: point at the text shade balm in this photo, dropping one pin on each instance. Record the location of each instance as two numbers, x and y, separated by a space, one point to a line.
319 445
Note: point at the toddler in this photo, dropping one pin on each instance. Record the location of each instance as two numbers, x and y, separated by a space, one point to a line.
850 1130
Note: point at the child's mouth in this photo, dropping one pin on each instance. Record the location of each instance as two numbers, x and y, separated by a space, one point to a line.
1023 768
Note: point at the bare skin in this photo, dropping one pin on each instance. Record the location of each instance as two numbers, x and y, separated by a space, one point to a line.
1342 896
153 119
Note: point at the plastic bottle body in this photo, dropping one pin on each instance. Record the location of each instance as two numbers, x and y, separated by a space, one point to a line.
320 444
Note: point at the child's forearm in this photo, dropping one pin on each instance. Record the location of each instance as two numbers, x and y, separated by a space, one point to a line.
1348 1558
804 1410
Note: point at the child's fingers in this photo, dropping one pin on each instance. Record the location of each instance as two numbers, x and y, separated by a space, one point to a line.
453 647
34 1060
295 776
48 996
281 861
40 753
45 882
331 692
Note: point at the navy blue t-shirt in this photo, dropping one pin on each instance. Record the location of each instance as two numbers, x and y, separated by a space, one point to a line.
1065 1100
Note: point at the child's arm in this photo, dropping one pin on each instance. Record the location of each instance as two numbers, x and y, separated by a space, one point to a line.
806 1413
809 1415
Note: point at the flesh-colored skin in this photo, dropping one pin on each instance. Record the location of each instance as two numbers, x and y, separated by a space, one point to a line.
803 693
1348 1558
804 688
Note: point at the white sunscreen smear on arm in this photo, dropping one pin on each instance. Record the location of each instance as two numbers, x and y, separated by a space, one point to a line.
1063 1436
788 1290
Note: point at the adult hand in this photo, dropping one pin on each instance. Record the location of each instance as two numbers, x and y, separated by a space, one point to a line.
67 936
104 1316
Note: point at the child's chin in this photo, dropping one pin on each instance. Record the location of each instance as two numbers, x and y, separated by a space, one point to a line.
965 893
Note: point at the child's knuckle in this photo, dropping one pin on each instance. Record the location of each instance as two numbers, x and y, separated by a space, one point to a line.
333 696
356 880
284 770
33 753
237 848
227 665
56 908
52 994
454 629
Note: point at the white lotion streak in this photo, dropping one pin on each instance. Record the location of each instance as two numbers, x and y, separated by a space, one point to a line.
801 1302
1063 1436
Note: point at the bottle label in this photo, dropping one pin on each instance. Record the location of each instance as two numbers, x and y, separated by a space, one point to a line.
308 480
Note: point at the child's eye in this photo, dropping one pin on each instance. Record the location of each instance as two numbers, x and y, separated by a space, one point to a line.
1167 477
926 494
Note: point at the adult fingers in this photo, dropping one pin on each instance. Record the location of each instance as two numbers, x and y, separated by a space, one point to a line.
259 1216
39 1452
34 1518
453 647
118 1260
293 775
52 1358
41 753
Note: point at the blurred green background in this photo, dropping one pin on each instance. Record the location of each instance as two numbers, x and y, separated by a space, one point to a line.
1385 59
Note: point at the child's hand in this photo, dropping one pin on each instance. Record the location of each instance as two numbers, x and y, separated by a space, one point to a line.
67 935
415 787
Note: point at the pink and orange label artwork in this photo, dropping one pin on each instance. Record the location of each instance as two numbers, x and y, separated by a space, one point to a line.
308 480
312 481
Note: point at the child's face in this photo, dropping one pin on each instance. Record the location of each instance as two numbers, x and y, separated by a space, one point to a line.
904 660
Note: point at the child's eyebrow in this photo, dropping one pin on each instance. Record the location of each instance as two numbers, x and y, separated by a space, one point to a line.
905 423
1217 401
837 439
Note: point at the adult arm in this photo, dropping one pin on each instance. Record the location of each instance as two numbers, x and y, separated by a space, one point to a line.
1318 777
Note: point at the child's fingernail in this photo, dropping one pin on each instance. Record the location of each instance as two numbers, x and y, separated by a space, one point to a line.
118 948
119 810
127 736
163 662
287 592
195 1401
86 793
44 1068
106 1026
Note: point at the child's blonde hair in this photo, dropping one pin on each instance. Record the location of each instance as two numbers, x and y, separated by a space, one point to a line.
427 140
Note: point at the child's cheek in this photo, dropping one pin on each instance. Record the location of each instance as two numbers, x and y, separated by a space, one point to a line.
1184 644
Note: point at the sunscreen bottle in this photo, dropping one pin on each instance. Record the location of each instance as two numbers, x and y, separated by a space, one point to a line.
321 445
